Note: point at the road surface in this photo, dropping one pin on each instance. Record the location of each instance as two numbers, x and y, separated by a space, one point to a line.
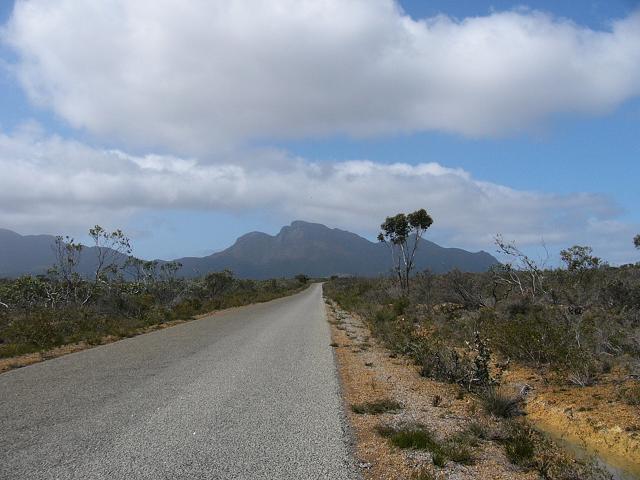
249 393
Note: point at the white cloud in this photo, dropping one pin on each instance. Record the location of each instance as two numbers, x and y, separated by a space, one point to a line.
193 74
56 185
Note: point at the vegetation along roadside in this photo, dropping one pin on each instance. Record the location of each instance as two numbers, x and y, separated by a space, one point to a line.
50 315
494 370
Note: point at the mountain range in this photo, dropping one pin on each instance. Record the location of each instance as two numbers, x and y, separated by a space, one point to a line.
302 247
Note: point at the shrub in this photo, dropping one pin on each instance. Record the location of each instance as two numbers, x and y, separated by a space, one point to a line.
469 369
630 394
534 335
400 305
441 362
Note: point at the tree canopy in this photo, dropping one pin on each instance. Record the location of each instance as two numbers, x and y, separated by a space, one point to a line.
402 232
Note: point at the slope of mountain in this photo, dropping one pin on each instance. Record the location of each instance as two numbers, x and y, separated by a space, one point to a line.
24 254
301 247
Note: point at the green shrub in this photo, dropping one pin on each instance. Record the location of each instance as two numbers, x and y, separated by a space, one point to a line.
400 305
534 336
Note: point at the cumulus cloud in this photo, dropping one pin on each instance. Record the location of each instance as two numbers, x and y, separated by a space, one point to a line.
193 74
63 185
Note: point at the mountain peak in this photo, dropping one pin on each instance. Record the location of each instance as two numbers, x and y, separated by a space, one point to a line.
303 224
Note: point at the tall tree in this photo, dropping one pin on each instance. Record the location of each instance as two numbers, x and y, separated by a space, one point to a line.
403 233
636 241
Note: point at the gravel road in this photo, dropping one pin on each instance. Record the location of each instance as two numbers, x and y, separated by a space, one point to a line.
249 393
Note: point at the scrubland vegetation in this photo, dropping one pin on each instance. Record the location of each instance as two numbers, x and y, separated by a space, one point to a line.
573 326
467 329
464 327
122 298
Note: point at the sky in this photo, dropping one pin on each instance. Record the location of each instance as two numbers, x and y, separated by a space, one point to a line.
190 122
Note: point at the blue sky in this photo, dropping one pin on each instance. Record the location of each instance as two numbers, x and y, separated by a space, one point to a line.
568 153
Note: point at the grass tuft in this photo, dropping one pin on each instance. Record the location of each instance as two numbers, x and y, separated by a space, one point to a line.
424 474
376 407
501 404
418 437
479 430
519 445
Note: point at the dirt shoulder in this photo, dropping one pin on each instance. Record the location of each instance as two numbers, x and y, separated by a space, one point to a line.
369 372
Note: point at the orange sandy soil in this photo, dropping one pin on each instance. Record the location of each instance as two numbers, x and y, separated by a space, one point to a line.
592 417
368 372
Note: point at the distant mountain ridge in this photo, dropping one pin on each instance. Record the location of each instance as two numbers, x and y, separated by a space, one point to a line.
34 255
301 247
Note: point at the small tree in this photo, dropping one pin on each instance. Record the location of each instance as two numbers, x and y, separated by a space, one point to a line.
520 271
302 278
65 271
403 233
144 272
67 253
110 248
579 259
170 288
218 282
